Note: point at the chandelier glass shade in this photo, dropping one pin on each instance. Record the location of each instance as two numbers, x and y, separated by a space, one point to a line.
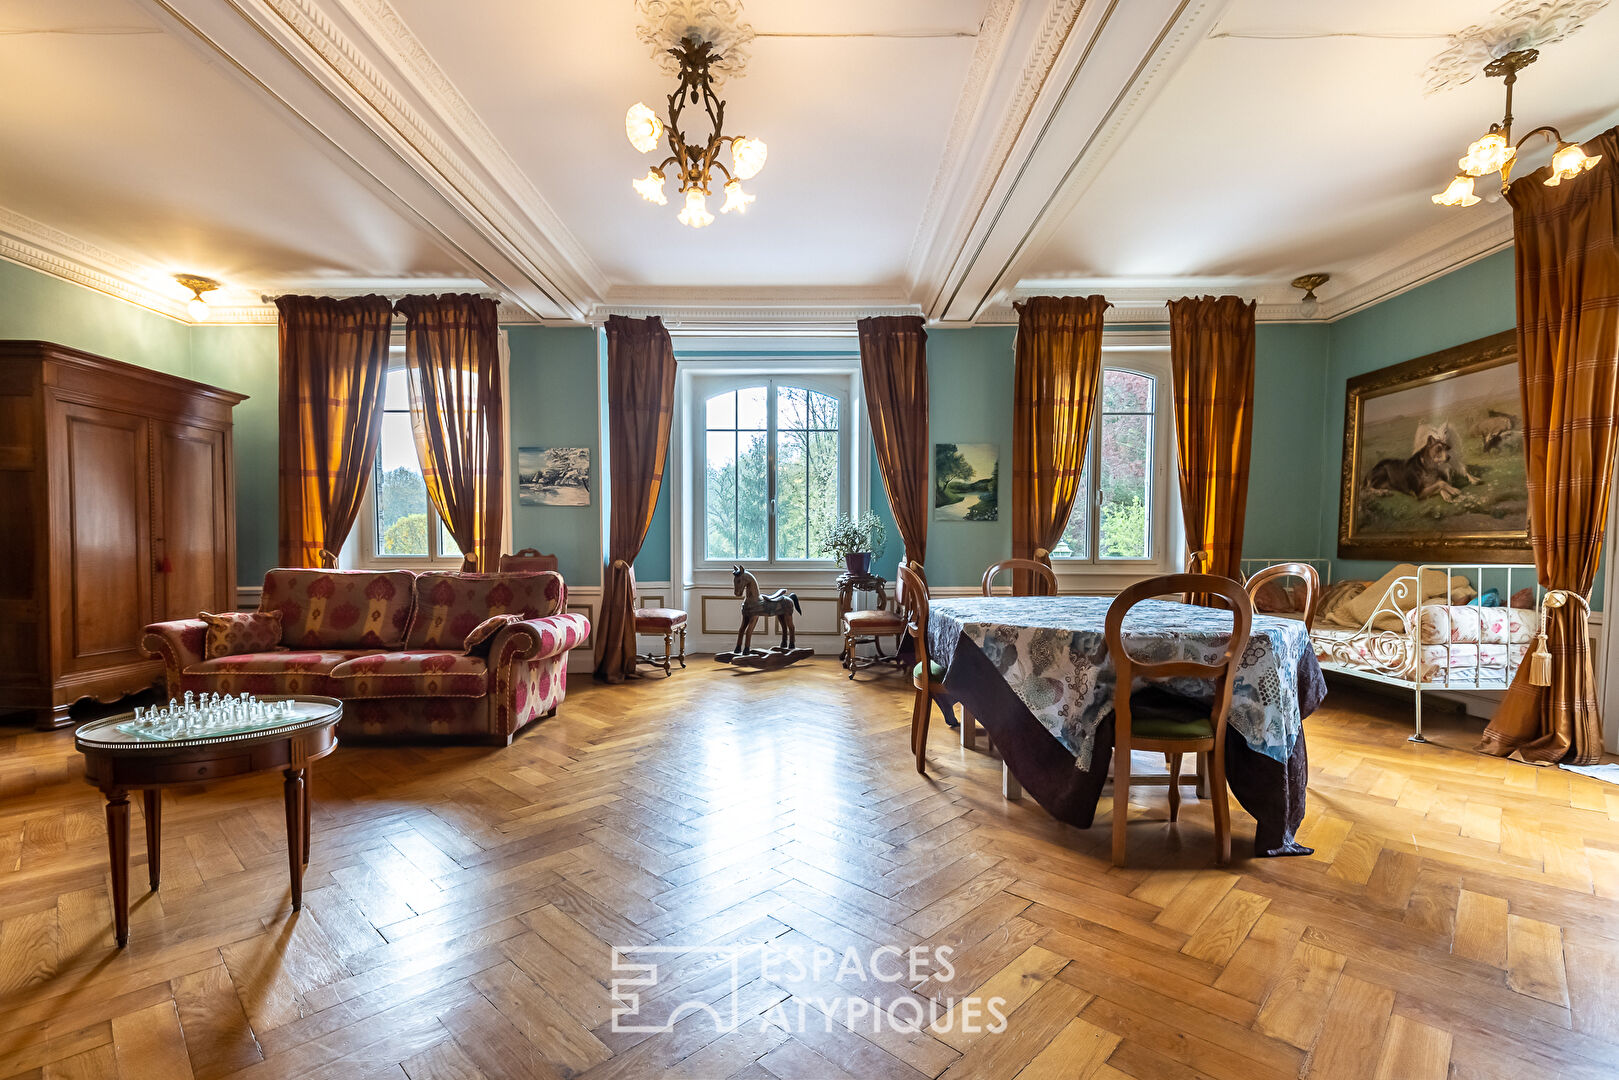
1495 152
694 164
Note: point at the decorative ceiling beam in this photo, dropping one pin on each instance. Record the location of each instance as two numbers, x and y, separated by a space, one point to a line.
1111 64
399 130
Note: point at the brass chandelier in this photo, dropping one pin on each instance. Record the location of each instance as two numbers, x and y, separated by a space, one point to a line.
1494 151
694 164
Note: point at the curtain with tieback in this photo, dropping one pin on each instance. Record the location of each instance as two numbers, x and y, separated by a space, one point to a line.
452 357
1056 388
640 404
1566 245
894 373
333 356
1211 350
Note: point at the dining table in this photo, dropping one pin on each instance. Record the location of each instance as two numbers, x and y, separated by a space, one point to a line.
1035 672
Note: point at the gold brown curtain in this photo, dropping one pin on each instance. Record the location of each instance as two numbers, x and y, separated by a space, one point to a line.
894 370
1056 389
1566 240
333 357
452 356
1211 349
640 404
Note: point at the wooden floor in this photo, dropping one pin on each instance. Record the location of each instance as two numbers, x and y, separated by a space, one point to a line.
1458 917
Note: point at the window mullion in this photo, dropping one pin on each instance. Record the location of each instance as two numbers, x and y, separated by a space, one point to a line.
771 435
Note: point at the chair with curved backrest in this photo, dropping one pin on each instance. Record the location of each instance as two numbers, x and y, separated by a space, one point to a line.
1152 719
656 622
527 560
911 597
1273 575
1042 572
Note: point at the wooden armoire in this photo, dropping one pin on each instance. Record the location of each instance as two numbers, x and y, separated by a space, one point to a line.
117 509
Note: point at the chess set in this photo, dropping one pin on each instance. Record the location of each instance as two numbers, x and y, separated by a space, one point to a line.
208 715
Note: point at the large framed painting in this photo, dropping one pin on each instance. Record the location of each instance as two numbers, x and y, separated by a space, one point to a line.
1433 459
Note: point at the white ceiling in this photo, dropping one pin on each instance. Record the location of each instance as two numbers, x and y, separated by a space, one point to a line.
936 155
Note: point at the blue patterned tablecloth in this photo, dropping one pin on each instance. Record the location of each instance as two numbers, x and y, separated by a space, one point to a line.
1051 652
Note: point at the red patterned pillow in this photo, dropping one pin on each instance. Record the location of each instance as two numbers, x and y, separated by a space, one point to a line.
235 632
482 637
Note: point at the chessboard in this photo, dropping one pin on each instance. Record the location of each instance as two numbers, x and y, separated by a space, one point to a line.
208 715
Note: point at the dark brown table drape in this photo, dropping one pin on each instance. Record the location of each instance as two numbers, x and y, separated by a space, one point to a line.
1056 388
640 404
1566 240
334 354
452 354
894 369
1211 349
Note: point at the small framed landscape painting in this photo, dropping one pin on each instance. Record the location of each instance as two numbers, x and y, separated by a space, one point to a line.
1433 463
553 475
966 479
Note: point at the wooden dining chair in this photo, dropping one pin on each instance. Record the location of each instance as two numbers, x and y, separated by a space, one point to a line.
1281 571
1152 719
1043 575
927 676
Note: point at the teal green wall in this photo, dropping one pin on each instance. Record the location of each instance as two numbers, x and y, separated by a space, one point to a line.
1290 364
1300 372
970 401
1464 305
246 359
38 307
554 403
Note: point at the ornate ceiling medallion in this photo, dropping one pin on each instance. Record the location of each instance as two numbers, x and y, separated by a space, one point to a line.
697 58
664 24
1517 25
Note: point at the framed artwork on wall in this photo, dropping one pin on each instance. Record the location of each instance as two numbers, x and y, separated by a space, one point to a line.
553 475
966 479
1433 461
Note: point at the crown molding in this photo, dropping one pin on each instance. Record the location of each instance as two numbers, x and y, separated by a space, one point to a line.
387 29
1111 64
980 135
51 251
1464 238
758 317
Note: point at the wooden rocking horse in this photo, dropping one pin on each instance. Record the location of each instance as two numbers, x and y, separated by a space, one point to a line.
780 605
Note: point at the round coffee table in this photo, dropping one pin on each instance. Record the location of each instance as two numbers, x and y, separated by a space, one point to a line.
119 757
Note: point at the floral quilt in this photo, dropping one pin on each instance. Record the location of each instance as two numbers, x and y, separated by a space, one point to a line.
1052 653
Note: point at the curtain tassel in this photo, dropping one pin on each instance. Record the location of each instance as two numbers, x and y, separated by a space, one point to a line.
1540 661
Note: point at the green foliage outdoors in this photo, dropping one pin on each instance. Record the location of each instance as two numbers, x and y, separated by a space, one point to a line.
808 479
406 536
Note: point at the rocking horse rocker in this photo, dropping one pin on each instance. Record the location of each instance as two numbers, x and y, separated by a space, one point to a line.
780 605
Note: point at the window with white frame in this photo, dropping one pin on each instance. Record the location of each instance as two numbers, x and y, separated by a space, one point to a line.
399 526
772 462
1120 512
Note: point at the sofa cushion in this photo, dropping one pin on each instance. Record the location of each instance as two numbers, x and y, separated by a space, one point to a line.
233 632
450 605
280 672
482 638
340 609
413 673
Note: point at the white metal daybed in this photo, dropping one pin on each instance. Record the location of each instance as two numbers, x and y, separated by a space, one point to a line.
1421 635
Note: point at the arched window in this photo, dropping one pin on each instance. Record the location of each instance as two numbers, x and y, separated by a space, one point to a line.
773 472
1119 511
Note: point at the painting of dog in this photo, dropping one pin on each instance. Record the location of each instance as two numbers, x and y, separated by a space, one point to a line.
1433 458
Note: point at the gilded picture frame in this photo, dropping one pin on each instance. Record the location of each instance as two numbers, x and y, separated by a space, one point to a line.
1433 459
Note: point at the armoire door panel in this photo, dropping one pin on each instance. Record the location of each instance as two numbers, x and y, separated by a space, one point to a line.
105 603
191 521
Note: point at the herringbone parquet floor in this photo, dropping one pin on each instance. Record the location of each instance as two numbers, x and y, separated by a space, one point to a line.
1457 918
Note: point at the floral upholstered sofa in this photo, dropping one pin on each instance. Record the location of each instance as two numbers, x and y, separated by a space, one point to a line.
393 645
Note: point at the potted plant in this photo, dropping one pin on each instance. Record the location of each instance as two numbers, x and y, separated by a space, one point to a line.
855 541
